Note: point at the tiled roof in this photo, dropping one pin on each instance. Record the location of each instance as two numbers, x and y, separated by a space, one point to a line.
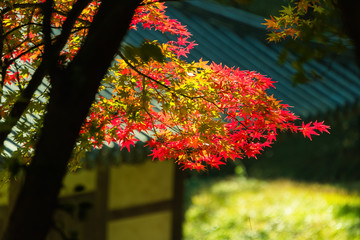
237 38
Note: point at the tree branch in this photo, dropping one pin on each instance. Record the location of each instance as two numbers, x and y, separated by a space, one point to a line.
3 73
69 23
154 80
47 11
21 5
50 59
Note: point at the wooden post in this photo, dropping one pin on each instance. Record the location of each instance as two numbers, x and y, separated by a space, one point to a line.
178 206
101 202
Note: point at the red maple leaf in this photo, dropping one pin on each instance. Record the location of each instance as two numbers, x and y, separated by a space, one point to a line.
308 130
127 143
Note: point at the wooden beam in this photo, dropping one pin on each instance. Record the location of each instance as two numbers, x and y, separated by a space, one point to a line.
140 210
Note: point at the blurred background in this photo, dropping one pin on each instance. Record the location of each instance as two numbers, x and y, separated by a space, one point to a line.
297 189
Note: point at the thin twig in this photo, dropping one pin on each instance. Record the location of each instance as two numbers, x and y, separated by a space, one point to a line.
153 79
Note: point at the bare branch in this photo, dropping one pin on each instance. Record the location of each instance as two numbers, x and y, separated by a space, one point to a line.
46 26
153 79
21 5
2 80
16 28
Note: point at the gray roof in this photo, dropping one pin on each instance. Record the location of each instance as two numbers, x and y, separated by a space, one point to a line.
237 38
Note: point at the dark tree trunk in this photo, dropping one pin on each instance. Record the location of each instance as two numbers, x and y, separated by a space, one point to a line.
72 93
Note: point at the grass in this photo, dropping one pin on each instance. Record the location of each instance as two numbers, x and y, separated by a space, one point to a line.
237 208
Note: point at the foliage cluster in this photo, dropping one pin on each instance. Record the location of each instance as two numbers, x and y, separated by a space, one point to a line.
199 114
316 24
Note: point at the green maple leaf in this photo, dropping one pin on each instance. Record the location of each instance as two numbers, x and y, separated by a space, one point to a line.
287 10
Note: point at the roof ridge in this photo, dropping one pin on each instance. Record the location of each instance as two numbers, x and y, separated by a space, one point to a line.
235 14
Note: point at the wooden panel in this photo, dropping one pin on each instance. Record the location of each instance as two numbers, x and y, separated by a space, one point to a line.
151 226
3 218
140 184
85 178
4 196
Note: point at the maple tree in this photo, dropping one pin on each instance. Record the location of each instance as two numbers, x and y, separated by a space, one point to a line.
200 114
298 17
317 29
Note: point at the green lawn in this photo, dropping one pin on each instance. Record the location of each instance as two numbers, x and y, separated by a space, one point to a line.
237 208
